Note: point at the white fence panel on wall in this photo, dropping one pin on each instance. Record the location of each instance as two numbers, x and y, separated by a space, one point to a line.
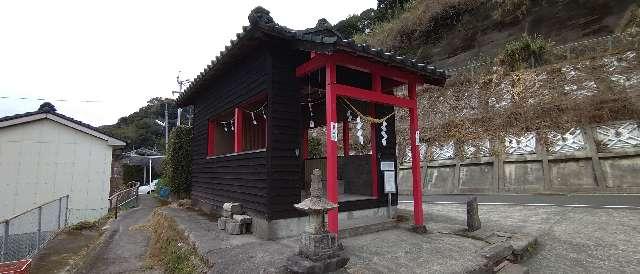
603 158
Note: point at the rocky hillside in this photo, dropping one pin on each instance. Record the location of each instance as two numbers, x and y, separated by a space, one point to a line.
452 33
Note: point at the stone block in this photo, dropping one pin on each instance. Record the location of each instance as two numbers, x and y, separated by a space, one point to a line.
473 217
299 264
235 208
243 219
496 252
234 228
319 246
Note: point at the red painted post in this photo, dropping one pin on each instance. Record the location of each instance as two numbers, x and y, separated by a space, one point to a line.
377 88
332 146
418 217
238 134
374 153
345 137
211 142
305 143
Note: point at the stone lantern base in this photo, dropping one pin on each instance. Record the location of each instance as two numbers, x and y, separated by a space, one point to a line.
318 253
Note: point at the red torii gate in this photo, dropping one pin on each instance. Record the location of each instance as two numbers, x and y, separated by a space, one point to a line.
333 90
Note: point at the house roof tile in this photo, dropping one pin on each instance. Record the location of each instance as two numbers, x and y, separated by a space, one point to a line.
321 38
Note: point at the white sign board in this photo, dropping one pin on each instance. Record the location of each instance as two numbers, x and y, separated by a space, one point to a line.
389 166
389 182
334 131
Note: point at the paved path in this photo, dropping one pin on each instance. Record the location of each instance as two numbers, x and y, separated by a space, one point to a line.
619 201
570 239
124 251
391 251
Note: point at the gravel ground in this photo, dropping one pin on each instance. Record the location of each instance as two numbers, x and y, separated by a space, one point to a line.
570 240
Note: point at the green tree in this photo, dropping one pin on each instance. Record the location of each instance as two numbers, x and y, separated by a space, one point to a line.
140 130
388 9
357 24
176 167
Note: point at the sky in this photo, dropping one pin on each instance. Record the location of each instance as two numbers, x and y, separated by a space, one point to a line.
119 54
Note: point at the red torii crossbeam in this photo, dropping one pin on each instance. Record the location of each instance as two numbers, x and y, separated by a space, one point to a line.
333 90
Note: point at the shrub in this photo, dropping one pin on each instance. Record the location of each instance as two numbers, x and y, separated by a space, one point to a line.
509 10
315 147
527 51
132 173
176 168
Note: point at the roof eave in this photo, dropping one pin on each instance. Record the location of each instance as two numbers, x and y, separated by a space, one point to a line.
59 118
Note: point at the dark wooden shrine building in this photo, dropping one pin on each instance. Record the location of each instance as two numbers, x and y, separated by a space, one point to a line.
253 106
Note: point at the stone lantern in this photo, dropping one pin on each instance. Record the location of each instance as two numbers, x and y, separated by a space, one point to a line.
319 250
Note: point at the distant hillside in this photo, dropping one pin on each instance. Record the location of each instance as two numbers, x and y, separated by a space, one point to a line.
140 130
450 33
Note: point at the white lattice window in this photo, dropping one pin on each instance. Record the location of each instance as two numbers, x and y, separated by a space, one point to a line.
443 152
407 155
525 144
479 149
619 135
571 141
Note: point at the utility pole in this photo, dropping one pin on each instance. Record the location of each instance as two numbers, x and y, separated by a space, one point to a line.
181 84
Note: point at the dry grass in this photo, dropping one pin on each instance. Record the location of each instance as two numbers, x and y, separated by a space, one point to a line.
556 97
420 16
91 225
427 22
633 19
170 248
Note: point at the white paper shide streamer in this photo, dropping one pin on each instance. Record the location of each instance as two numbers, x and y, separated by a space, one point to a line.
311 124
359 130
383 129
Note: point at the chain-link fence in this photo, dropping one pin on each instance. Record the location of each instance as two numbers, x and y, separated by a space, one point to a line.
23 235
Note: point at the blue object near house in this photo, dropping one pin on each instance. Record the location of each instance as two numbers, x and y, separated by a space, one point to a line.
164 192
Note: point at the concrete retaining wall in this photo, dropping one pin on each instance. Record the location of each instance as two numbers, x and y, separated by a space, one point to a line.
598 159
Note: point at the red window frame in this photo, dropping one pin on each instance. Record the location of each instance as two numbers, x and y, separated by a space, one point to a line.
240 139
211 137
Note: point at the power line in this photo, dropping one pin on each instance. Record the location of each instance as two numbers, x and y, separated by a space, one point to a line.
50 100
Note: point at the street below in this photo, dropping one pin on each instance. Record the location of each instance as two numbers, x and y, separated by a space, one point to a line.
570 239
620 201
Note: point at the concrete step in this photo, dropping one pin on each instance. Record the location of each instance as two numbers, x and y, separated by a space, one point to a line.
361 226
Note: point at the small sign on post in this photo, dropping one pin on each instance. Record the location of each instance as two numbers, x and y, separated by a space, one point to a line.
387 166
389 182
389 187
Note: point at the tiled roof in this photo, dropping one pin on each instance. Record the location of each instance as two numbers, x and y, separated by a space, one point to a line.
321 38
52 111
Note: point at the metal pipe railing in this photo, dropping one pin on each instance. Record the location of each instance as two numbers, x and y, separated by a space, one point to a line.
116 200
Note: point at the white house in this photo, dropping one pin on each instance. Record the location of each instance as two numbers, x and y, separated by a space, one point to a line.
45 155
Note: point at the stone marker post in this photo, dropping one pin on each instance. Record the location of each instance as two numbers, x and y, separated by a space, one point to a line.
473 218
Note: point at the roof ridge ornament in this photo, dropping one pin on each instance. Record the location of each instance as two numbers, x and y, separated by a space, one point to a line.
260 15
47 107
324 24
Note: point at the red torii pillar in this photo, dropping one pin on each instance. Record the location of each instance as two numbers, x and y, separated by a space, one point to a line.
414 137
332 145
